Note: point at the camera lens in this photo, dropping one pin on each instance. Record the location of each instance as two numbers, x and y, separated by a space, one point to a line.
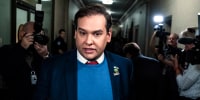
41 39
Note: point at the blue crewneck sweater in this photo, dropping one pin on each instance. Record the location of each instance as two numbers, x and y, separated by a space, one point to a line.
94 82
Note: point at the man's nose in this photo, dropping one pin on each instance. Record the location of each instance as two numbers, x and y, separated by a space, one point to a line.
89 39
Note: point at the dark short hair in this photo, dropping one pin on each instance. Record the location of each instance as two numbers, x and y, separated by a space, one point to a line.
93 9
131 48
61 30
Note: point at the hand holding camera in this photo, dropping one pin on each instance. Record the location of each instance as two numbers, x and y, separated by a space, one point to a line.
42 50
27 40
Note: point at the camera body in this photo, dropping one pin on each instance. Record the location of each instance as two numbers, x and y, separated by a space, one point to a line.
41 39
160 31
38 37
191 56
162 35
194 54
190 36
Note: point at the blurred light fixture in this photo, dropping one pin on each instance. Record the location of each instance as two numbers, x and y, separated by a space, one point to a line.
121 25
46 0
109 11
109 2
158 19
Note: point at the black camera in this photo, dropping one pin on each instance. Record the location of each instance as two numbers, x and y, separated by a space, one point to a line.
194 54
41 39
160 31
162 35
38 37
191 56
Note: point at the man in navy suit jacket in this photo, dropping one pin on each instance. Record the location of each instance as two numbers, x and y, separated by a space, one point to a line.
147 74
68 77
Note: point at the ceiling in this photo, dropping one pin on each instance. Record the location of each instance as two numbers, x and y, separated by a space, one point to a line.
118 9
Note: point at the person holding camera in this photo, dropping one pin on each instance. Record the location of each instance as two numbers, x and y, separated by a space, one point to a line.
166 48
23 61
188 72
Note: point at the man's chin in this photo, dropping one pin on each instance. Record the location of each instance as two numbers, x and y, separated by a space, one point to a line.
90 57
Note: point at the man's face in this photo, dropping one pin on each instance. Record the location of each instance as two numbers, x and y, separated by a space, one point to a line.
91 36
172 40
62 34
29 28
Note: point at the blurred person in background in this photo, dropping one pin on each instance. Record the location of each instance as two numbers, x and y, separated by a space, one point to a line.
21 63
169 48
147 74
188 69
59 46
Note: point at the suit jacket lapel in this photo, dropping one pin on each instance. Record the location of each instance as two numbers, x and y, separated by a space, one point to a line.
71 75
115 80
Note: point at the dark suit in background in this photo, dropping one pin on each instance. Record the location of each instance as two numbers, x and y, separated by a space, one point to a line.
147 74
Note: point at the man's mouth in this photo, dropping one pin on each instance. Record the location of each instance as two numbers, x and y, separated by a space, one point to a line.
89 50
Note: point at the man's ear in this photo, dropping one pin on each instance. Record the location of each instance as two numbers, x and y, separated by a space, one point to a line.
109 34
75 34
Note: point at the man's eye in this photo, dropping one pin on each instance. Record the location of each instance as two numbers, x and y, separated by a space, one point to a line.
82 33
97 33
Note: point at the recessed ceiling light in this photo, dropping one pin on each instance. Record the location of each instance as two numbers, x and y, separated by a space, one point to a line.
46 0
107 1
158 19
109 11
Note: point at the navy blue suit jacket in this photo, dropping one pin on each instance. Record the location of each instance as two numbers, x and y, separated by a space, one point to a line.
147 78
58 77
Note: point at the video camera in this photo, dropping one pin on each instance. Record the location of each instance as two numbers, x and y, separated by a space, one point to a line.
193 56
38 37
162 35
196 51
160 31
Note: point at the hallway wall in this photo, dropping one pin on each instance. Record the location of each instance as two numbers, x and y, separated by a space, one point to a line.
5 21
183 13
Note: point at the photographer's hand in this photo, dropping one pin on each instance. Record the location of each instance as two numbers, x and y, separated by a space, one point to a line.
152 42
176 67
168 62
27 40
42 50
160 57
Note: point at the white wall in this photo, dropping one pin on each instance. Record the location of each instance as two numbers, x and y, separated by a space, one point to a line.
64 15
73 8
59 15
5 21
183 12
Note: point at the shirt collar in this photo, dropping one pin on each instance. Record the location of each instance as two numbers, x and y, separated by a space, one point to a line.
83 60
